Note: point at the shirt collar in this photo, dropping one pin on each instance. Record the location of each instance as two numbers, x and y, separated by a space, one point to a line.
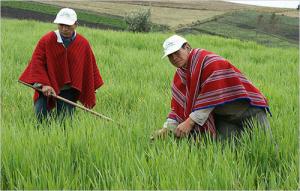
59 37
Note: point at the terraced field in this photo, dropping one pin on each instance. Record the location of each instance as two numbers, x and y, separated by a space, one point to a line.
173 13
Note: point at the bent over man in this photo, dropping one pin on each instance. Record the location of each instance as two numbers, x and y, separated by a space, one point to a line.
209 94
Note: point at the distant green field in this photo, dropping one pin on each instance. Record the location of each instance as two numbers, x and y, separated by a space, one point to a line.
88 16
89 153
259 25
105 20
264 28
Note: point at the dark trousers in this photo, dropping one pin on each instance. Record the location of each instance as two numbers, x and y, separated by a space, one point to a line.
62 109
233 127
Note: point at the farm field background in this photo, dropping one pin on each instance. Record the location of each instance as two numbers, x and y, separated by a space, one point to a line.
90 153
274 27
172 12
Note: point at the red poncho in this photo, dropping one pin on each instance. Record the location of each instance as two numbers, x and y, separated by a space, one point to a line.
208 81
54 65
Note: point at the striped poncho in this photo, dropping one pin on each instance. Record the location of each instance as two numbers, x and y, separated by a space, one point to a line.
208 81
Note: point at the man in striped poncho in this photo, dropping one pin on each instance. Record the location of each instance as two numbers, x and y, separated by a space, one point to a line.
63 63
209 94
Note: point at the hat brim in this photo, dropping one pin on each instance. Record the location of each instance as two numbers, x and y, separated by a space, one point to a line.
63 21
171 51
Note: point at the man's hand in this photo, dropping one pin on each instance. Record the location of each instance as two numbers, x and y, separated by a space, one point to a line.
184 128
48 91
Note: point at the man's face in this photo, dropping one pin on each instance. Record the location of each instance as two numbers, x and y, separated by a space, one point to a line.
66 30
180 57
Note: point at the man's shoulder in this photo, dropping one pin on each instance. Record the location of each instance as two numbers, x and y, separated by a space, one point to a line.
48 36
82 38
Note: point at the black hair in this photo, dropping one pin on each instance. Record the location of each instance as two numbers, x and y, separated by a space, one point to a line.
184 45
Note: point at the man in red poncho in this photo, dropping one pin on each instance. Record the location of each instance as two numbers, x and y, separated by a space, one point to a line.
209 94
63 64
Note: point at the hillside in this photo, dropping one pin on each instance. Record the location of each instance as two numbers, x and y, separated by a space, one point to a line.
172 13
268 26
265 28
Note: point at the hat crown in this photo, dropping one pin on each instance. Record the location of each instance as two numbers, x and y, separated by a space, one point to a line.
66 16
168 44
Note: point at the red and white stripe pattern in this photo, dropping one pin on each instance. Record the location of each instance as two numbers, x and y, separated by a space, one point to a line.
209 81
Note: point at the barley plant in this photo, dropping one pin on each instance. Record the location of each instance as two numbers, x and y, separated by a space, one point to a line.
86 152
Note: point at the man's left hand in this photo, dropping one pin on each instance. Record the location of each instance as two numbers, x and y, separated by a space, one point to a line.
184 128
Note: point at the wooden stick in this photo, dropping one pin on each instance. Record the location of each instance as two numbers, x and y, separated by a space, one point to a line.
70 102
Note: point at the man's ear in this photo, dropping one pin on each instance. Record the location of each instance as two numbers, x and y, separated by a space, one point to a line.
76 24
187 46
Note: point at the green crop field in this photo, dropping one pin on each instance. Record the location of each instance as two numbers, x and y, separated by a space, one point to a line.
263 28
85 16
268 26
90 153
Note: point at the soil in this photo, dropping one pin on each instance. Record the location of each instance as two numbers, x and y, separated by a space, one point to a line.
9 12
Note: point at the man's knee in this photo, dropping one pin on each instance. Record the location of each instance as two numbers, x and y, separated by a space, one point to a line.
226 130
258 118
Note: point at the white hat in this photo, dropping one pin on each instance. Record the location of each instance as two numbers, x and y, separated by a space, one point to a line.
66 16
172 44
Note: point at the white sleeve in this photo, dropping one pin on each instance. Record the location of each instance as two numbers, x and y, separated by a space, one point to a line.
170 123
200 116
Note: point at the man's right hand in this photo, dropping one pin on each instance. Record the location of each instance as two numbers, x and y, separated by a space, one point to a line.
48 91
